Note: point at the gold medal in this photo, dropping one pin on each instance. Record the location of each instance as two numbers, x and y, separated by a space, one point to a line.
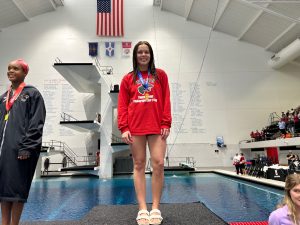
146 96
6 117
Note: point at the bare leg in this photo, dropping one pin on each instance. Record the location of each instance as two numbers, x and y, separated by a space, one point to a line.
17 209
6 208
157 148
138 149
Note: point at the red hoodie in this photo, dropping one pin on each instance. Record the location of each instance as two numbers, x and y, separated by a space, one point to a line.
144 112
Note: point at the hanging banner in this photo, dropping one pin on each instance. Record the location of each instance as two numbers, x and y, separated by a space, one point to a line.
93 49
126 48
110 48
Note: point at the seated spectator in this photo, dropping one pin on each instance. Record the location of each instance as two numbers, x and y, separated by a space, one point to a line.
257 136
289 211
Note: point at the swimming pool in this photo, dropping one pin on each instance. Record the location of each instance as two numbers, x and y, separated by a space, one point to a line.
229 198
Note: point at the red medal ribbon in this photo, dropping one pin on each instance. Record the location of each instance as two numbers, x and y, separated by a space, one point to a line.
9 103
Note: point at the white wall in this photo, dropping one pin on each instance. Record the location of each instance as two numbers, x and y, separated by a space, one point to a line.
236 90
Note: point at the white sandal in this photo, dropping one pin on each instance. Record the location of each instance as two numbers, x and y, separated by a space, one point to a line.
155 214
143 214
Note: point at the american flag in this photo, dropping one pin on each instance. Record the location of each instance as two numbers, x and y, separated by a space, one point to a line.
110 20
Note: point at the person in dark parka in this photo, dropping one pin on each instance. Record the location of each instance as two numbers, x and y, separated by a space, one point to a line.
22 118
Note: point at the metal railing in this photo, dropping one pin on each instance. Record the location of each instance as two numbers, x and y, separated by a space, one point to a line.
66 117
54 145
116 139
273 118
71 157
105 70
176 161
57 60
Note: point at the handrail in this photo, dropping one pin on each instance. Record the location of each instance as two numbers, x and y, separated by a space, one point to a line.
272 118
106 70
66 117
175 161
116 139
188 160
57 60
68 152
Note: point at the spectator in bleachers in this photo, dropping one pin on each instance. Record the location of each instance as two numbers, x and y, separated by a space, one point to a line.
263 134
257 136
291 124
287 113
281 125
252 135
285 119
289 211
268 133
296 118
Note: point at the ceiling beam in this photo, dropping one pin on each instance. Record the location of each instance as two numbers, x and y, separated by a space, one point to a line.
221 14
188 8
61 3
53 4
295 63
156 2
252 22
280 36
270 1
20 9
269 11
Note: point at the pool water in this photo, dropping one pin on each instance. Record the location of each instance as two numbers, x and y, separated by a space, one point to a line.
71 198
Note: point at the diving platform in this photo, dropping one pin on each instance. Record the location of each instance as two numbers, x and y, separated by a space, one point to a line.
82 125
81 170
84 77
271 143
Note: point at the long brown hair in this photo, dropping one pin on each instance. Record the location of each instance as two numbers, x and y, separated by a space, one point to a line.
291 181
151 65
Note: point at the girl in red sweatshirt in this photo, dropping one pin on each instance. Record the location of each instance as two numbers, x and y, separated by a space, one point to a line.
144 116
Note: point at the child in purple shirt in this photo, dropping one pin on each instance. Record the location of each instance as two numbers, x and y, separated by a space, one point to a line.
289 212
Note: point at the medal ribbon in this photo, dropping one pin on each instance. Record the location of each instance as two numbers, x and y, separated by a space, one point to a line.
144 82
9 103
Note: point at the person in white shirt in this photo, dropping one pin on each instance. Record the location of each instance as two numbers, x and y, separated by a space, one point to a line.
236 163
281 126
